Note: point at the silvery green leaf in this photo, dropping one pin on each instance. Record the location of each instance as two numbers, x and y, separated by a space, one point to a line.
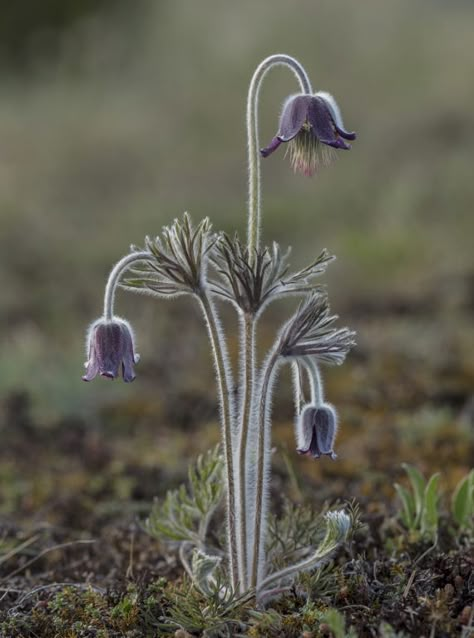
430 516
418 484
251 282
310 332
204 568
338 524
336 622
462 504
408 514
178 260
185 513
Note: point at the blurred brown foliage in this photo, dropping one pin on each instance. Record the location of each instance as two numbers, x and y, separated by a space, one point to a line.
137 114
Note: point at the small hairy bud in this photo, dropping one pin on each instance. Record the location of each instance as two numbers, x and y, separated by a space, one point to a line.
316 430
110 345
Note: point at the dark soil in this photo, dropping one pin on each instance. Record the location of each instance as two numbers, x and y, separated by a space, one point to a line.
75 560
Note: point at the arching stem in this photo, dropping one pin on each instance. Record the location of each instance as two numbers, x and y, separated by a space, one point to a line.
315 381
114 278
248 375
254 196
298 390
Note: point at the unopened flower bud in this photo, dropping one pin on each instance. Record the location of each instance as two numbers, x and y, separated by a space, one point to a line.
110 345
316 430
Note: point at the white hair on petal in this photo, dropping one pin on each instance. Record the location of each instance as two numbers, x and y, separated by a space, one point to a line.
332 106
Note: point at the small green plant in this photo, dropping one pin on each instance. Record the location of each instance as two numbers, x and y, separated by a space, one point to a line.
185 514
337 624
218 614
462 503
299 541
419 511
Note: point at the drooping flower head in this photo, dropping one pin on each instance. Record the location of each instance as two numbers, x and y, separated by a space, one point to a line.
316 430
110 345
313 126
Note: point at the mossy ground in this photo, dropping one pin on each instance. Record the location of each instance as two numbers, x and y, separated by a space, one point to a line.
75 561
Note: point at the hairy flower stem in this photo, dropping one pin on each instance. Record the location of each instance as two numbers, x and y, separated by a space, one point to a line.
315 381
254 197
263 459
114 278
298 392
248 333
253 241
224 386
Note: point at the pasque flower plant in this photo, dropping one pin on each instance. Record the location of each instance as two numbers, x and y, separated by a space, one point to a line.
211 267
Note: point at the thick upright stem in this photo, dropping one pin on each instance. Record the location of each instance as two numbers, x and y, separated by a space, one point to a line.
263 458
114 278
247 354
254 197
224 386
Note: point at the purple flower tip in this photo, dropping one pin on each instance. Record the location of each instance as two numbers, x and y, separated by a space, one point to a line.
268 150
345 134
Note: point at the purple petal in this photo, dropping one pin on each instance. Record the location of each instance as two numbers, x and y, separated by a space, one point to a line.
294 115
108 374
337 143
303 452
345 134
128 373
268 150
325 426
129 358
314 449
335 114
304 429
127 365
92 369
321 121
324 127
109 348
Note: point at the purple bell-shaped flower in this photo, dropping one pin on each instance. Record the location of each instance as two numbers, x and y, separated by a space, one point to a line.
312 125
110 346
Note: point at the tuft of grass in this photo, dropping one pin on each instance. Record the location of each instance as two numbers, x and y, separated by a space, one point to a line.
462 503
336 623
419 511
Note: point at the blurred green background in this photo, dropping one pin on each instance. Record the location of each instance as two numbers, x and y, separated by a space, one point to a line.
117 117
